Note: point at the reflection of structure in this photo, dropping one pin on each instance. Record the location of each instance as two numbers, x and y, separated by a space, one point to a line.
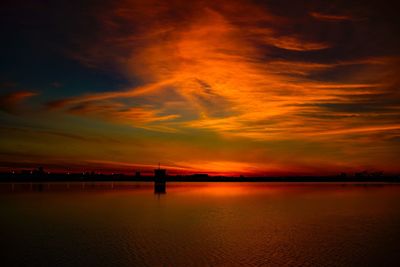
159 188
160 178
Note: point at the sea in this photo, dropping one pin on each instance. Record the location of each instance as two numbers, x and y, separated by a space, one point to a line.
199 224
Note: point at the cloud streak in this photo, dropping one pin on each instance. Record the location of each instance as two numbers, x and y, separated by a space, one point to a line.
214 57
11 102
238 70
330 17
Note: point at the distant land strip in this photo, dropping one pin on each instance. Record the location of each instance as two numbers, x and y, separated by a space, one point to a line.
83 177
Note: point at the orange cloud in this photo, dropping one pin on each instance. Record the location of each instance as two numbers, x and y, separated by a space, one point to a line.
361 130
212 65
329 17
143 117
292 43
212 61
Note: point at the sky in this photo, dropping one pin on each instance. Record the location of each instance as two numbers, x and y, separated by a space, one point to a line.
234 87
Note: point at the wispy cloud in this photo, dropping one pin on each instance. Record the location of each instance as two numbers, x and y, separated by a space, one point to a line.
330 17
143 117
293 43
236 69
213 56
11 102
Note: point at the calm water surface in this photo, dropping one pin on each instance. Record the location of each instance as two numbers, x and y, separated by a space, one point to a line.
199 224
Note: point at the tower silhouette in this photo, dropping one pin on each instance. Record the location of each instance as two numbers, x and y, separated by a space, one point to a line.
160 175
160 178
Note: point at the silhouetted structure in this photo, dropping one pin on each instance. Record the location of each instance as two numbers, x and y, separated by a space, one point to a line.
39 171
160 178
200 175
361 175
160 175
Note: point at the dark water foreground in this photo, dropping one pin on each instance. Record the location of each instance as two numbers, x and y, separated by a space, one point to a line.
199 224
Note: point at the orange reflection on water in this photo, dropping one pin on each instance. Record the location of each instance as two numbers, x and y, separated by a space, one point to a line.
220 189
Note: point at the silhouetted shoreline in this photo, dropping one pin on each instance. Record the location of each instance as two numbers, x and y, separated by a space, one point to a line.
90 177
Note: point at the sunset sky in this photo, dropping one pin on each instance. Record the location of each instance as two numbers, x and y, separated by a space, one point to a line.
225 87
